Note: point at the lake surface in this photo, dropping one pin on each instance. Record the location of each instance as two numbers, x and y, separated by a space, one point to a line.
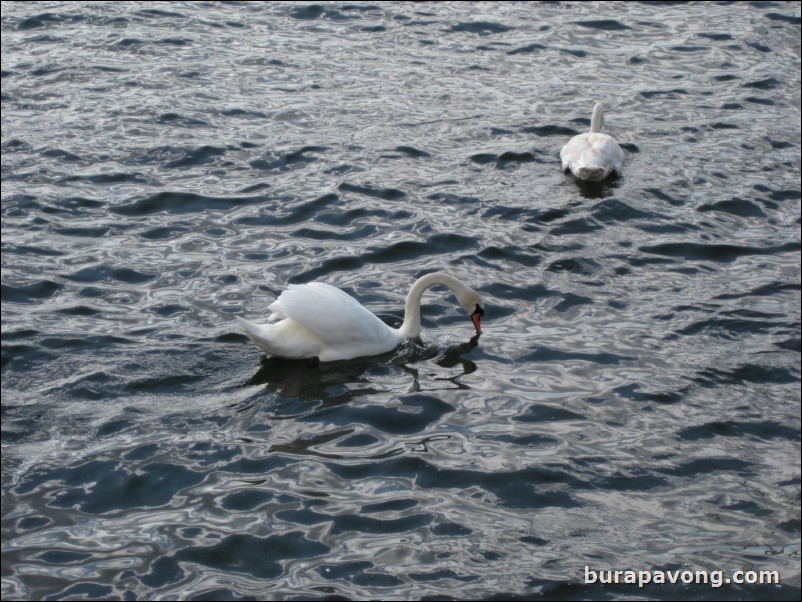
633 402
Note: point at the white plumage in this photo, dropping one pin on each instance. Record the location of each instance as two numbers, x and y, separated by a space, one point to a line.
592 156
317 320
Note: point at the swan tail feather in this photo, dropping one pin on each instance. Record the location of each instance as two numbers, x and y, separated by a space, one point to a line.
251 329
590 173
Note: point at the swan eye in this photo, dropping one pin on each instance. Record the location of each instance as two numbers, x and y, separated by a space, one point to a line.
478 311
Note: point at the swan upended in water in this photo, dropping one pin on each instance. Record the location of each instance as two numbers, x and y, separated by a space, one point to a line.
592 156
317 320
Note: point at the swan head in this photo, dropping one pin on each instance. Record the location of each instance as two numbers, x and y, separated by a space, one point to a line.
468 299
472 303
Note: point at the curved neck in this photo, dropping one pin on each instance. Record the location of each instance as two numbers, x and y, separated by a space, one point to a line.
597 121
411 326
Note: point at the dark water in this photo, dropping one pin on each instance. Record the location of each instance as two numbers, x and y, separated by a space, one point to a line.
633 403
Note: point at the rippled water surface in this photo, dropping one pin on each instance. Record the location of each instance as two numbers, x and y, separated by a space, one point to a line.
633 402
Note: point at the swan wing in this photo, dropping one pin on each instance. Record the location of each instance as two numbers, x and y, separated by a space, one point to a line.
572 152
335 317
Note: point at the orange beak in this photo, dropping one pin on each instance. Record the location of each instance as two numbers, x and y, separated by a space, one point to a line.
476 318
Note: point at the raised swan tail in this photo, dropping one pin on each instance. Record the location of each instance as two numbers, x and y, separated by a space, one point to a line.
251 329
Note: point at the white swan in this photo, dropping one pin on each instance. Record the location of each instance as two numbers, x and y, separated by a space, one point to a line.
592 156
317 320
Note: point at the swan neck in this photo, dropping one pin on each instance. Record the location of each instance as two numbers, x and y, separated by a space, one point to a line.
410 329
597 121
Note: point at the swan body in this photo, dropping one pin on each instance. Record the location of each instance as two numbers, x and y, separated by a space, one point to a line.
592 156
317 320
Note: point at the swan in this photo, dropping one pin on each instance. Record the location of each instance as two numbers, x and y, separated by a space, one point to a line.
592 156
317 320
